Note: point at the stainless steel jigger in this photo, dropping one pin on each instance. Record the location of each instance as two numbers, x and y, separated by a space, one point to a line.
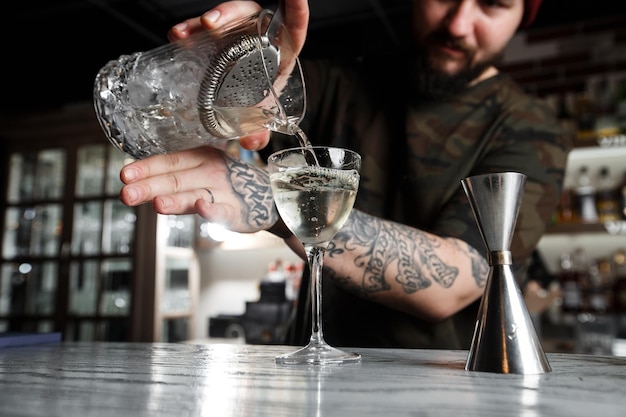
505 340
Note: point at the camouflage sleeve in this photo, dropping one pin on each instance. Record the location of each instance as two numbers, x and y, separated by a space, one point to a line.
530 140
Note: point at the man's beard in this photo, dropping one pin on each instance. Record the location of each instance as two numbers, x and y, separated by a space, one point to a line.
434 85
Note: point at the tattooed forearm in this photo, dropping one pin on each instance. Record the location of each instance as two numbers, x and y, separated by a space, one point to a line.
408 275
375 264
343 281
480 267
364 237
252 185
383 246
439 271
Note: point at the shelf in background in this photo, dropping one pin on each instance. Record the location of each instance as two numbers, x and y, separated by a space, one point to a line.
605 142
609 152
612 228
596 245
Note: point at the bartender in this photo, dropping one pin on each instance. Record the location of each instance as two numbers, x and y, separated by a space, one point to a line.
409 266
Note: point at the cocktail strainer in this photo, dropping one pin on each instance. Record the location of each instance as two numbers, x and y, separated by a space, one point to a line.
237 77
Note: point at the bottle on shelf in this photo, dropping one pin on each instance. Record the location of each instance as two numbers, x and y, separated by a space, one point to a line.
605 121
595 325
565 213
621 195
570 287
566 117
619 281
598 292
585 120
275 272
293 274
607 203
620 98
585 193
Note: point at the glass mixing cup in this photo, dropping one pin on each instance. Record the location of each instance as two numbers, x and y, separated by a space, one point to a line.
209 88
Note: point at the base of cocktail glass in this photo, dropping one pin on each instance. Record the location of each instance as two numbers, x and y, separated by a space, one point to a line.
317 354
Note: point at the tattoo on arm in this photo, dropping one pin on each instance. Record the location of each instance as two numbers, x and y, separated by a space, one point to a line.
252 185
363 236
386 244
480 267
408 273
441 273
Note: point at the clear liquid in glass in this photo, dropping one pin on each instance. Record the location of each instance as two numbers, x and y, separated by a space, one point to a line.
315 202
314 189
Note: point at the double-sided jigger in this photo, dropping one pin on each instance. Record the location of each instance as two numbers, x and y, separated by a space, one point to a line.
505 340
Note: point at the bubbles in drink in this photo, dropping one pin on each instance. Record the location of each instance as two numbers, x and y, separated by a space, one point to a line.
313 201
309 177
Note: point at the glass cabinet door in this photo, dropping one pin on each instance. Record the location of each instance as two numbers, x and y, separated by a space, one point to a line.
68 243
177 278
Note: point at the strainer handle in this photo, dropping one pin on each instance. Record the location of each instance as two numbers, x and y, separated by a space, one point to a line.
277 20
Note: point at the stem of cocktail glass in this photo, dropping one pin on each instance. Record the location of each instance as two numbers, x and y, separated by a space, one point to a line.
315 257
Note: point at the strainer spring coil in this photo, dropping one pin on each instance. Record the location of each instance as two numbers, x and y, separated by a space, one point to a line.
214 76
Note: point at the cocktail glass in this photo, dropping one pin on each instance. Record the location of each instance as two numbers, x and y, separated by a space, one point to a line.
314 188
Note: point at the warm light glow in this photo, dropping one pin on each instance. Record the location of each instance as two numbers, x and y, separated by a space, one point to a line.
230 240
216 232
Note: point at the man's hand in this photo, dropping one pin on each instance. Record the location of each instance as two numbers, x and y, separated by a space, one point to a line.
206 181
295 19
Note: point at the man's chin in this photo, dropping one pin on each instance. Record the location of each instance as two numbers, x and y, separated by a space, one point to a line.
447 66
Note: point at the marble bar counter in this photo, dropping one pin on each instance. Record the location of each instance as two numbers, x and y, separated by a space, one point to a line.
178 379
